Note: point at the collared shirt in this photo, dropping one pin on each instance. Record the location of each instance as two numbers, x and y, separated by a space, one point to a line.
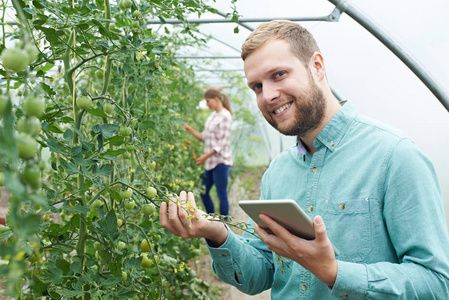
381 203
217 136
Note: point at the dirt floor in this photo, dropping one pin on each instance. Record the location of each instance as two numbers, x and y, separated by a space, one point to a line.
246 186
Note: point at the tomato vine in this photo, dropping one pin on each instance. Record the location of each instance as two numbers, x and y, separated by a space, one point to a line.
113 94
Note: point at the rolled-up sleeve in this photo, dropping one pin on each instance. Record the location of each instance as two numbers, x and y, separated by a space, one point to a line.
245 263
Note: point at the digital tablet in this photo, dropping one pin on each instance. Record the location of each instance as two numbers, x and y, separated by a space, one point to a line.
286 212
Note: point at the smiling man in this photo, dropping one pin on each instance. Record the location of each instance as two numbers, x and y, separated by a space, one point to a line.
367 187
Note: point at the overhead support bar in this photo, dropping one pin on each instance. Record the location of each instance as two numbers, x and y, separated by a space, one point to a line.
391 44
241 20
209 57
219 70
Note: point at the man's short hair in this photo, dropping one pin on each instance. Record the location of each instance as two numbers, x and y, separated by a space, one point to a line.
301 41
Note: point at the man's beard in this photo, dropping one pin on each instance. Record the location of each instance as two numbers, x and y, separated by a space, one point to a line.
311 107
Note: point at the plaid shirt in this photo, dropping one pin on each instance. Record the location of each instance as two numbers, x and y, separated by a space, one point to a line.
217 136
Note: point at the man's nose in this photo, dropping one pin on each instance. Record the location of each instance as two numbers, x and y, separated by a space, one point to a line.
270 92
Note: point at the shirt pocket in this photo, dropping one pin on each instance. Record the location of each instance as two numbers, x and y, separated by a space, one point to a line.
348 225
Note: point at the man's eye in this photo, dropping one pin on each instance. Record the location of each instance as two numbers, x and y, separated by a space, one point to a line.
257 87
279 74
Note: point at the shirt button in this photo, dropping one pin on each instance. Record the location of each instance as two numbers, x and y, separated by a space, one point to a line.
344 296
314 169
239 274
224 254
310 208
304 287
342 206
332 144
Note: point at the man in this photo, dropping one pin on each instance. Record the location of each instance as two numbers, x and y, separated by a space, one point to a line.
366 186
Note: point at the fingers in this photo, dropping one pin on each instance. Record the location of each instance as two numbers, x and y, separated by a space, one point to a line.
176 216
320 229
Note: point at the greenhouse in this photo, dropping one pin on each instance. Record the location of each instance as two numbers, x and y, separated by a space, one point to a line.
105 119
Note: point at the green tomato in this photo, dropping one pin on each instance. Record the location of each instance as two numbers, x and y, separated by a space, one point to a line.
32 52
3 102
121 245
152 165
146 262
96 204
119 222
26 145
130 204
135 24
145 246
133 122
151 192
129 148
125 4
125 131
99 74
124 276
2 179
148 209
32 175
98 246
158 260
136 13
33 106
157 238
83 102
126 194
15 59
30 125
108 108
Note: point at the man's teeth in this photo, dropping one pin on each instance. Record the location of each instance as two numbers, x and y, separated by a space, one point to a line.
282 108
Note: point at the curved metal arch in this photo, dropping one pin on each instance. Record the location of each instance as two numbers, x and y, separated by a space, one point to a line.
394 47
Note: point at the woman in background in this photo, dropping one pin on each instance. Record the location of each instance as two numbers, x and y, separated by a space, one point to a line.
217 149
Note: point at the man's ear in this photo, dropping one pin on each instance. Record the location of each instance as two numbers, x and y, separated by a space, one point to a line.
317 66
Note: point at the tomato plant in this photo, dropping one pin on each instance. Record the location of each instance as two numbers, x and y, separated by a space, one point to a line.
90 144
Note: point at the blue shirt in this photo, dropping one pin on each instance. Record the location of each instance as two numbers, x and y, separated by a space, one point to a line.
381 203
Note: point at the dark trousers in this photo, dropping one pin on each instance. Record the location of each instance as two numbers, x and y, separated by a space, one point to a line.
219 177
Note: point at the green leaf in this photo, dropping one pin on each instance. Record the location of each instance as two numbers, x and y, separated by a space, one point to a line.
107 130
54 146
109 225
63 265
114 153
76 268
112 281
29 10
54 128
97 112
75 151
116 140
105 170
70 294
78 208
68 135
69 167
145 125
51 275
